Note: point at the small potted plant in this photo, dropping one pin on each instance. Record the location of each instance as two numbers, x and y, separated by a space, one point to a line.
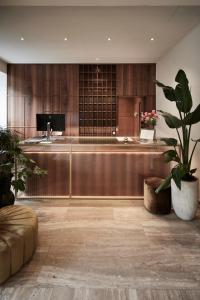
149 121
15 167
184 184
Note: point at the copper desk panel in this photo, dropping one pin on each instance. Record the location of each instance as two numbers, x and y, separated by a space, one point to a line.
56 182
114 174
103 167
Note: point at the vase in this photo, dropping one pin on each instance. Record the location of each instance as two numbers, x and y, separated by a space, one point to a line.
154 135
185 201
152 127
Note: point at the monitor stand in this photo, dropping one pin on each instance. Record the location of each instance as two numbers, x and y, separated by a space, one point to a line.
48 131
48 140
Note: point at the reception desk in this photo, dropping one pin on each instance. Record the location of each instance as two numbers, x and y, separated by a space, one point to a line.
90 167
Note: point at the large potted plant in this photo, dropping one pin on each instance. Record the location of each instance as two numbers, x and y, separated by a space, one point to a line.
15 167
184 184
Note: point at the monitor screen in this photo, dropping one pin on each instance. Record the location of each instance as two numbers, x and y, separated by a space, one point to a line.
57 122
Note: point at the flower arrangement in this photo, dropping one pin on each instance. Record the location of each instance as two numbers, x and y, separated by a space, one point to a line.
149 119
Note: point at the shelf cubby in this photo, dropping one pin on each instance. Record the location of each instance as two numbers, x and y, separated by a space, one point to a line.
97 100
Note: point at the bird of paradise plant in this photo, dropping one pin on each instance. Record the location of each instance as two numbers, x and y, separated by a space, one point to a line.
187 117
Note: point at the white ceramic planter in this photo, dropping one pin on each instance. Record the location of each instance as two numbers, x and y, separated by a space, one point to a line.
185 201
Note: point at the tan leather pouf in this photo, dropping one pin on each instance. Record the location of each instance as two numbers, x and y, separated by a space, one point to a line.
18 238
156 203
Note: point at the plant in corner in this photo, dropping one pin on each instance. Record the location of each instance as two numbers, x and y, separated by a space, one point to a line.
183 182
15 167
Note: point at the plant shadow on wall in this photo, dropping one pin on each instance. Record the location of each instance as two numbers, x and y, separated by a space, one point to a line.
183 182
15 167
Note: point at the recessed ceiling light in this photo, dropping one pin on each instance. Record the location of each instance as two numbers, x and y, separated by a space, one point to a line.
152 39
109 39
22 39
65 39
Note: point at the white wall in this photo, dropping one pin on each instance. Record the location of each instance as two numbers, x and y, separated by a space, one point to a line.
185 55
3 94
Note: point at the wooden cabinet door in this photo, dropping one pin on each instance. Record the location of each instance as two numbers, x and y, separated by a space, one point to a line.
129 116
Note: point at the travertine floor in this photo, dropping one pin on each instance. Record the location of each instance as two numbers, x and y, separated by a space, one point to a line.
96 250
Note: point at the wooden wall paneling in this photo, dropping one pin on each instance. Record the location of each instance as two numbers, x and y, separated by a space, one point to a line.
149 103
56 104
74 99
119 79
33 105
30 132
64 96
151 89
55 88
15 96
34 99
42 88
70 97
74 121
70 86
36 79
137 80
67 124
16 111
47 102
16 82
74 81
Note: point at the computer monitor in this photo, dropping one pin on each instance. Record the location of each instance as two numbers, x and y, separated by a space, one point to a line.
57 122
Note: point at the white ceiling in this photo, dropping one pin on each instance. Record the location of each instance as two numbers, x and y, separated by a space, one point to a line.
87 29
98 2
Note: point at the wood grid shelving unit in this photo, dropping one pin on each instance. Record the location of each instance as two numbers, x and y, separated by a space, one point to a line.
97 100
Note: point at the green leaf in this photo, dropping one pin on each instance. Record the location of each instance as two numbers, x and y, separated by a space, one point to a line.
171 155
38 171
176 175
19 185
196 140
192 171
193 117
170 141
184 98
171 121
165 184
168 91
181 77
178 172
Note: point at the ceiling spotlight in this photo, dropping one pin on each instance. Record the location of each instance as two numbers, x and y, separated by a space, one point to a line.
65 39
22 39
109 39
152 39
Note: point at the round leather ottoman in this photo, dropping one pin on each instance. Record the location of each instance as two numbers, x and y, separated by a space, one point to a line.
156 203
18 238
